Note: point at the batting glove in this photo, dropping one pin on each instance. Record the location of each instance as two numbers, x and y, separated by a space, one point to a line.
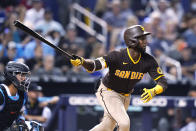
148 94
76 60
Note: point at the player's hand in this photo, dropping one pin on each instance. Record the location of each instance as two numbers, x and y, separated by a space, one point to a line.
19 124
148 94
76 60
43 104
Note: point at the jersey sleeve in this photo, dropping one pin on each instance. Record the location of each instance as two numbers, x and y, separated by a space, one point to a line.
2 100
46 112
154 70
110 59
25 99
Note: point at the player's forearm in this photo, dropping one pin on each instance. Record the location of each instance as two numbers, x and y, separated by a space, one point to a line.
88 64
54 100
35 118
162 83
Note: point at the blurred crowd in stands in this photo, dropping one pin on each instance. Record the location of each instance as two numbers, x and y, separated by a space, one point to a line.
172 25
171 22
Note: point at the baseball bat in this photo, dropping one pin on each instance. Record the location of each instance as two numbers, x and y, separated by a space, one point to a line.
29 31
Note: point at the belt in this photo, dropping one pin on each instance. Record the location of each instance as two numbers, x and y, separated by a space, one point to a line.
124 94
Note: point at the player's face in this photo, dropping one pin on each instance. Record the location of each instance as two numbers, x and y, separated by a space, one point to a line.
22 76
142 43
23 79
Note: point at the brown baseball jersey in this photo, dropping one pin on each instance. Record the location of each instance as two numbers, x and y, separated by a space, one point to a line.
124 72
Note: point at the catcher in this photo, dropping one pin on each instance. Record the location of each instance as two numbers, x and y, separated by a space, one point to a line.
13 95
126 68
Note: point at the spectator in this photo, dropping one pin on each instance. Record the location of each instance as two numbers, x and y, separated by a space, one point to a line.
126 10
115 18
184 24
98 50
190 122
115 21
30 47
159 43
187 63
100 8
15 36
12 53
171 32
167 120
175 10
190 34
34 111
53 36
2 17
36 62
193 6
48 68
154 20
141 8
70 43
35 14
49 24
165 12
178 45
190 118
21 11
5 37
71 38
88 49
177 7
43 100
192 92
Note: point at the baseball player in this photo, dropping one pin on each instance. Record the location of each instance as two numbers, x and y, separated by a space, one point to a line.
126 68
13 95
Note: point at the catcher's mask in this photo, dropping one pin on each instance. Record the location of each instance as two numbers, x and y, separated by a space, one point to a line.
132 34
16 68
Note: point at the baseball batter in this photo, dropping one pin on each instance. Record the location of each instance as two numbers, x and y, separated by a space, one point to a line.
126 68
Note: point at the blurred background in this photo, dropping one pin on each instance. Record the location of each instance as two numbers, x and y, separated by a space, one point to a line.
62 97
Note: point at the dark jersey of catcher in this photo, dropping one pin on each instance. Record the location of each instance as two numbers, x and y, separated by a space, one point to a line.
124 72
10 106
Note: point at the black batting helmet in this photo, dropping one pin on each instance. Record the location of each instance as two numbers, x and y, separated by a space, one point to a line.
12 69
132 33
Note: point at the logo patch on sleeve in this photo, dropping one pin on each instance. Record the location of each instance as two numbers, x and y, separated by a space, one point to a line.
159 70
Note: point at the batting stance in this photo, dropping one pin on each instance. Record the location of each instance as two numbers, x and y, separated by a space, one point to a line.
13 95
126 68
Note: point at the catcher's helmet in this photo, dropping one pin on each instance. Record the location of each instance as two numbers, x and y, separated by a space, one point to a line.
14 68
132 33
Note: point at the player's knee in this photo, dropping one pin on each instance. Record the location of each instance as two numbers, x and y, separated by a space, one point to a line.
125 125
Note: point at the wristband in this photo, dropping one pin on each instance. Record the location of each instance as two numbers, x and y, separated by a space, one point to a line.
158 89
